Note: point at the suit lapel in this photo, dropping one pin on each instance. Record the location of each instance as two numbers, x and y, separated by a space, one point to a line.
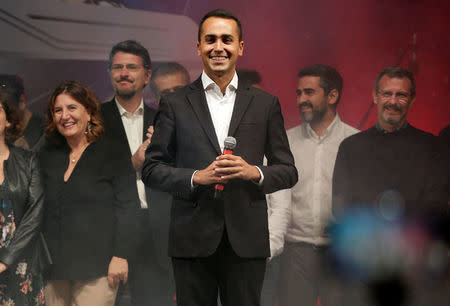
119 128
243 99
197 99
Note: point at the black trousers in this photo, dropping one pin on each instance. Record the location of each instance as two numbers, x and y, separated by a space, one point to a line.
238 281
150 283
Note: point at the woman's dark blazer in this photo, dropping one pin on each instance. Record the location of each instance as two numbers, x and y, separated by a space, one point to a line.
90 218
24 189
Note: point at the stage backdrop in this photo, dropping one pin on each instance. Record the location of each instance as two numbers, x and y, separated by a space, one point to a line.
359 38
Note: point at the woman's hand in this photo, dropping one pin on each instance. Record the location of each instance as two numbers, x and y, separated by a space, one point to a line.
3 267
117 271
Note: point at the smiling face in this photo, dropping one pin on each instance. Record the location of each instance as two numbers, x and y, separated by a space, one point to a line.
128 75
311 99
70 117
219 47
393 101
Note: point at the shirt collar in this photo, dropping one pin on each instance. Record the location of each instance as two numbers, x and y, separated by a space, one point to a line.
208 82
380 128
123 111
311 133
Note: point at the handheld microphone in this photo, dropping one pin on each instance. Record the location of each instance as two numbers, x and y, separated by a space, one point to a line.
228 145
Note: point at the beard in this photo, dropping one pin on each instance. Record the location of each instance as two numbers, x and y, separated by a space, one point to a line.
125 94
391 120
316 115
307 117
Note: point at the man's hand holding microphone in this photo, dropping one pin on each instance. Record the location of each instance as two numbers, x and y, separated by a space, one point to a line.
226 167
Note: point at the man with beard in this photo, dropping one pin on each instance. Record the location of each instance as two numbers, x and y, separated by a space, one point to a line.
128 124
303 275
392 155
391 170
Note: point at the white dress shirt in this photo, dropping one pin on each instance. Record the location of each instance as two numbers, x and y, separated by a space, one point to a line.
220 106
134 128
310 199
221 109
278 211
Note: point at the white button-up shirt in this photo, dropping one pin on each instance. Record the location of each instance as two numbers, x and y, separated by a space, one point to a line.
310 199
221 109
134 128
220 106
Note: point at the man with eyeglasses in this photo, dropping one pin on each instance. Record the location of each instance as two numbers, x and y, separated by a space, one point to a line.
390 169
128 124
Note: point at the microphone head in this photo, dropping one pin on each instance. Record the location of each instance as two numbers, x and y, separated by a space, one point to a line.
229 143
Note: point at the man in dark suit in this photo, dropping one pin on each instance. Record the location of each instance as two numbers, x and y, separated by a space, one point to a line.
129 125
219 243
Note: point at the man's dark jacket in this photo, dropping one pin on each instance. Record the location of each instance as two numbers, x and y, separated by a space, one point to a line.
185 141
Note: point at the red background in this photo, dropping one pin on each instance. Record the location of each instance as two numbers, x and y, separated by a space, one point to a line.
359 38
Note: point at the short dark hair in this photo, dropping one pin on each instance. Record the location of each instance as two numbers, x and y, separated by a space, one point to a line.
330 78
221 13
85 97
399 73
133 47
168 69
14 130
249 77
12 86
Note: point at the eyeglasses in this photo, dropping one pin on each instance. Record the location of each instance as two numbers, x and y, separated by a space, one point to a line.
400 96
129 67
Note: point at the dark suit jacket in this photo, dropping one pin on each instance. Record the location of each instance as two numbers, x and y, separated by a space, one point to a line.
114 130
185 141
89 218
159 202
